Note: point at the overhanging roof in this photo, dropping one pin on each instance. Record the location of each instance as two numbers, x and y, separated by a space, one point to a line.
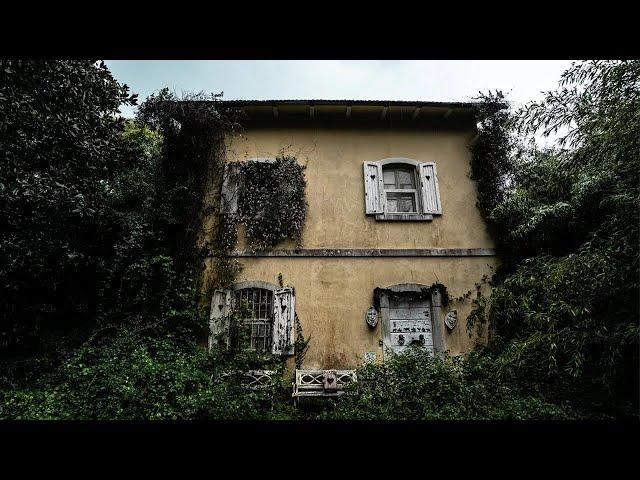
317 102
366 110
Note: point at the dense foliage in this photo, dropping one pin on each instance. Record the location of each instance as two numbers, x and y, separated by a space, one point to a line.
564 312
137 355
417 386
61 154
492 151
272 203
130 376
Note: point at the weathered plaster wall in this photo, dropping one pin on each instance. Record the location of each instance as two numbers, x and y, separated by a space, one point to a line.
335 188
333 294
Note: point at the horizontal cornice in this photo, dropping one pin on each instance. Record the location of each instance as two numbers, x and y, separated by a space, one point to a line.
367 252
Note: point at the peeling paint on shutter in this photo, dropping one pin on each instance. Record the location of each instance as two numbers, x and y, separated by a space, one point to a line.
230 191
429 188
219 318
373 188
284 310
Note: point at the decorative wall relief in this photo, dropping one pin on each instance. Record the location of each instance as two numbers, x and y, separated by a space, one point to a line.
451 319
371 317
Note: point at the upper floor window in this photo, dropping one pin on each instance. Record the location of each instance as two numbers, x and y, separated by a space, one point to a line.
401 189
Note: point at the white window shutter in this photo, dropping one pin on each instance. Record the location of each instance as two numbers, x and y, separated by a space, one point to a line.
284 311
429 189
373 188
230 188
219 318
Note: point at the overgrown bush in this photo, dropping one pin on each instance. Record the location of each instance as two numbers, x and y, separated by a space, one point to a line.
417 386
272 202
564 310
128 207
61 155
492 150
133 376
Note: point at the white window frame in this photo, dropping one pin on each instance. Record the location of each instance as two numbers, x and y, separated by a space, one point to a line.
251 321
437 315
282 326
398 216
415 191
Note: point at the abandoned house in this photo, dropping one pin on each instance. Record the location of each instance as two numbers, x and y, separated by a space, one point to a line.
391 227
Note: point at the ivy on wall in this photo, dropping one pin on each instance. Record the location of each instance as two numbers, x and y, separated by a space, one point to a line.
271 206
492 154
424 294
271 202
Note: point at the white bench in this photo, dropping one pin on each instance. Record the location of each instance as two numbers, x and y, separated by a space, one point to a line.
321 383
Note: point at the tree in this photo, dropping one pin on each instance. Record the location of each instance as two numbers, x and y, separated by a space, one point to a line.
565 308
61 150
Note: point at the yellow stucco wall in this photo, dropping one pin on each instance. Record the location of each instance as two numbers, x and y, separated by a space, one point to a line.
333 294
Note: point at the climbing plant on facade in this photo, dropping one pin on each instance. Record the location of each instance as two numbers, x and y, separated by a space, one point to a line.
271 202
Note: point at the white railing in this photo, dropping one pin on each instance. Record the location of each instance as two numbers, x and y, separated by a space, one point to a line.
321 383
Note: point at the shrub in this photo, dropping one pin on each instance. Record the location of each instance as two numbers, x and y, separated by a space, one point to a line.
417 386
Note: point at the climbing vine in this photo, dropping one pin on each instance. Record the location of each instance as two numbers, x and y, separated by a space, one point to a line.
271 202
193 129
492 152
300 344
424 294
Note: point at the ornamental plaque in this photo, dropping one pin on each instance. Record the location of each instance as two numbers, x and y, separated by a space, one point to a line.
371 317
451 319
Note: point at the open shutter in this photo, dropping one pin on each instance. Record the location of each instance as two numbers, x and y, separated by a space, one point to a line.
429 189
373 188
230 188
284 310
219 318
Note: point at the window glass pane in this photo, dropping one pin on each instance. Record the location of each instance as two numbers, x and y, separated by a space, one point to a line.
405 204
405 179
398 176
389 178
401 202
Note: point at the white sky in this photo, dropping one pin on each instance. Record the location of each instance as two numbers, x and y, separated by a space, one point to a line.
436 80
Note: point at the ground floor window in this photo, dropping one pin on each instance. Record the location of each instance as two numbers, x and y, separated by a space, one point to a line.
254 307
410 323
254 315
410 315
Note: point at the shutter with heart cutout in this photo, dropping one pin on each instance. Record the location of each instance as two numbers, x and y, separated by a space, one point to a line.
429 189
284 310
219 318
373 188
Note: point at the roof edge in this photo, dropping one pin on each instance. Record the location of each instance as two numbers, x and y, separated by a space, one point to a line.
381 103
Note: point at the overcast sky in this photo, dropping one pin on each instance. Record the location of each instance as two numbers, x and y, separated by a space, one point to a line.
436 80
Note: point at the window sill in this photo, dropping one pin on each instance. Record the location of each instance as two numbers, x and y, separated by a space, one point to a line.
406 217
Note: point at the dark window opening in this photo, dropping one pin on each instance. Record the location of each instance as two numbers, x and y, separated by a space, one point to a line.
255 308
